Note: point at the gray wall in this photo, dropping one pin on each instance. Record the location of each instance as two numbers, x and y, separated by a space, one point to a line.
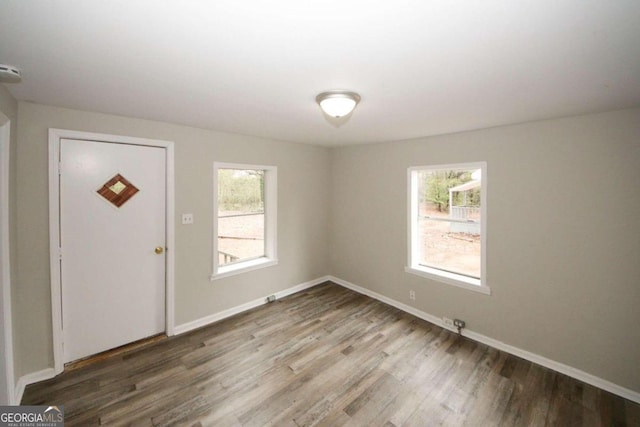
563 258
303 196
563 236
9 107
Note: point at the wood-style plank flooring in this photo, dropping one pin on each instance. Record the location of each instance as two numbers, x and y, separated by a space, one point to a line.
328 357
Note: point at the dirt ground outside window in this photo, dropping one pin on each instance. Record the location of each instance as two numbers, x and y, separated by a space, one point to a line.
446 249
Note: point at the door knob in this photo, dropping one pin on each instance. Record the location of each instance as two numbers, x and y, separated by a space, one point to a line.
159 250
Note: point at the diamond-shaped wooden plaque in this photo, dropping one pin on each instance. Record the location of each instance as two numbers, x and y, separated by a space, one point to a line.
118 190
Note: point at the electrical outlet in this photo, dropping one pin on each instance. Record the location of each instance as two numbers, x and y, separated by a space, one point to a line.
460 324
412 295
447 322
187 219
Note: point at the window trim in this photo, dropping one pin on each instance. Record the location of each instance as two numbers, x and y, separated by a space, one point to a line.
270 228
413 241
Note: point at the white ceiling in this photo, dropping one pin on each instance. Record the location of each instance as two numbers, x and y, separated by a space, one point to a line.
422 67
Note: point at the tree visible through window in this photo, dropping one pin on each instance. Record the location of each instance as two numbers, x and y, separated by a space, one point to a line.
446 221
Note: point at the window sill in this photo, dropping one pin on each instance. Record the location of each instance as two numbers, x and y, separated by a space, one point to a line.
243 267
450 278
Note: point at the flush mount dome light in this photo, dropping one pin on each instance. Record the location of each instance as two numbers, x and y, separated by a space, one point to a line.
338 103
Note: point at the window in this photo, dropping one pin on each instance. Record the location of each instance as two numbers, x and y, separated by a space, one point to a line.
447 224
244 211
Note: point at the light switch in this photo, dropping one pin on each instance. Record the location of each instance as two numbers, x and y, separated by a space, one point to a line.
187 219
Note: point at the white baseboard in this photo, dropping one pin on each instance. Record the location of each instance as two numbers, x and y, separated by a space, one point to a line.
207 320
31 378
527 355
532 357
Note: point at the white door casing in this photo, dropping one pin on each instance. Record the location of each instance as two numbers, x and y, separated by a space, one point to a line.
109 287
7 382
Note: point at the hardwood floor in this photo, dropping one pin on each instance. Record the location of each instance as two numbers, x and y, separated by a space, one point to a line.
328 357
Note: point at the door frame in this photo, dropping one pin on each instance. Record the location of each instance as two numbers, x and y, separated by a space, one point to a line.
55 135
5 261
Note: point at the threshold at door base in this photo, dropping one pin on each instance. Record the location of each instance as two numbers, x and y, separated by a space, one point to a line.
118 351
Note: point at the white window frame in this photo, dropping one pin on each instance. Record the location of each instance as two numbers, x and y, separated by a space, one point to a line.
270 227
413 239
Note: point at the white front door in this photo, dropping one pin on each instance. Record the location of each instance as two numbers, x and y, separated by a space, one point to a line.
112 238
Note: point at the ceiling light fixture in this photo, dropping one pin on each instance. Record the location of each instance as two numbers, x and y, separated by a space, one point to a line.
338 103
